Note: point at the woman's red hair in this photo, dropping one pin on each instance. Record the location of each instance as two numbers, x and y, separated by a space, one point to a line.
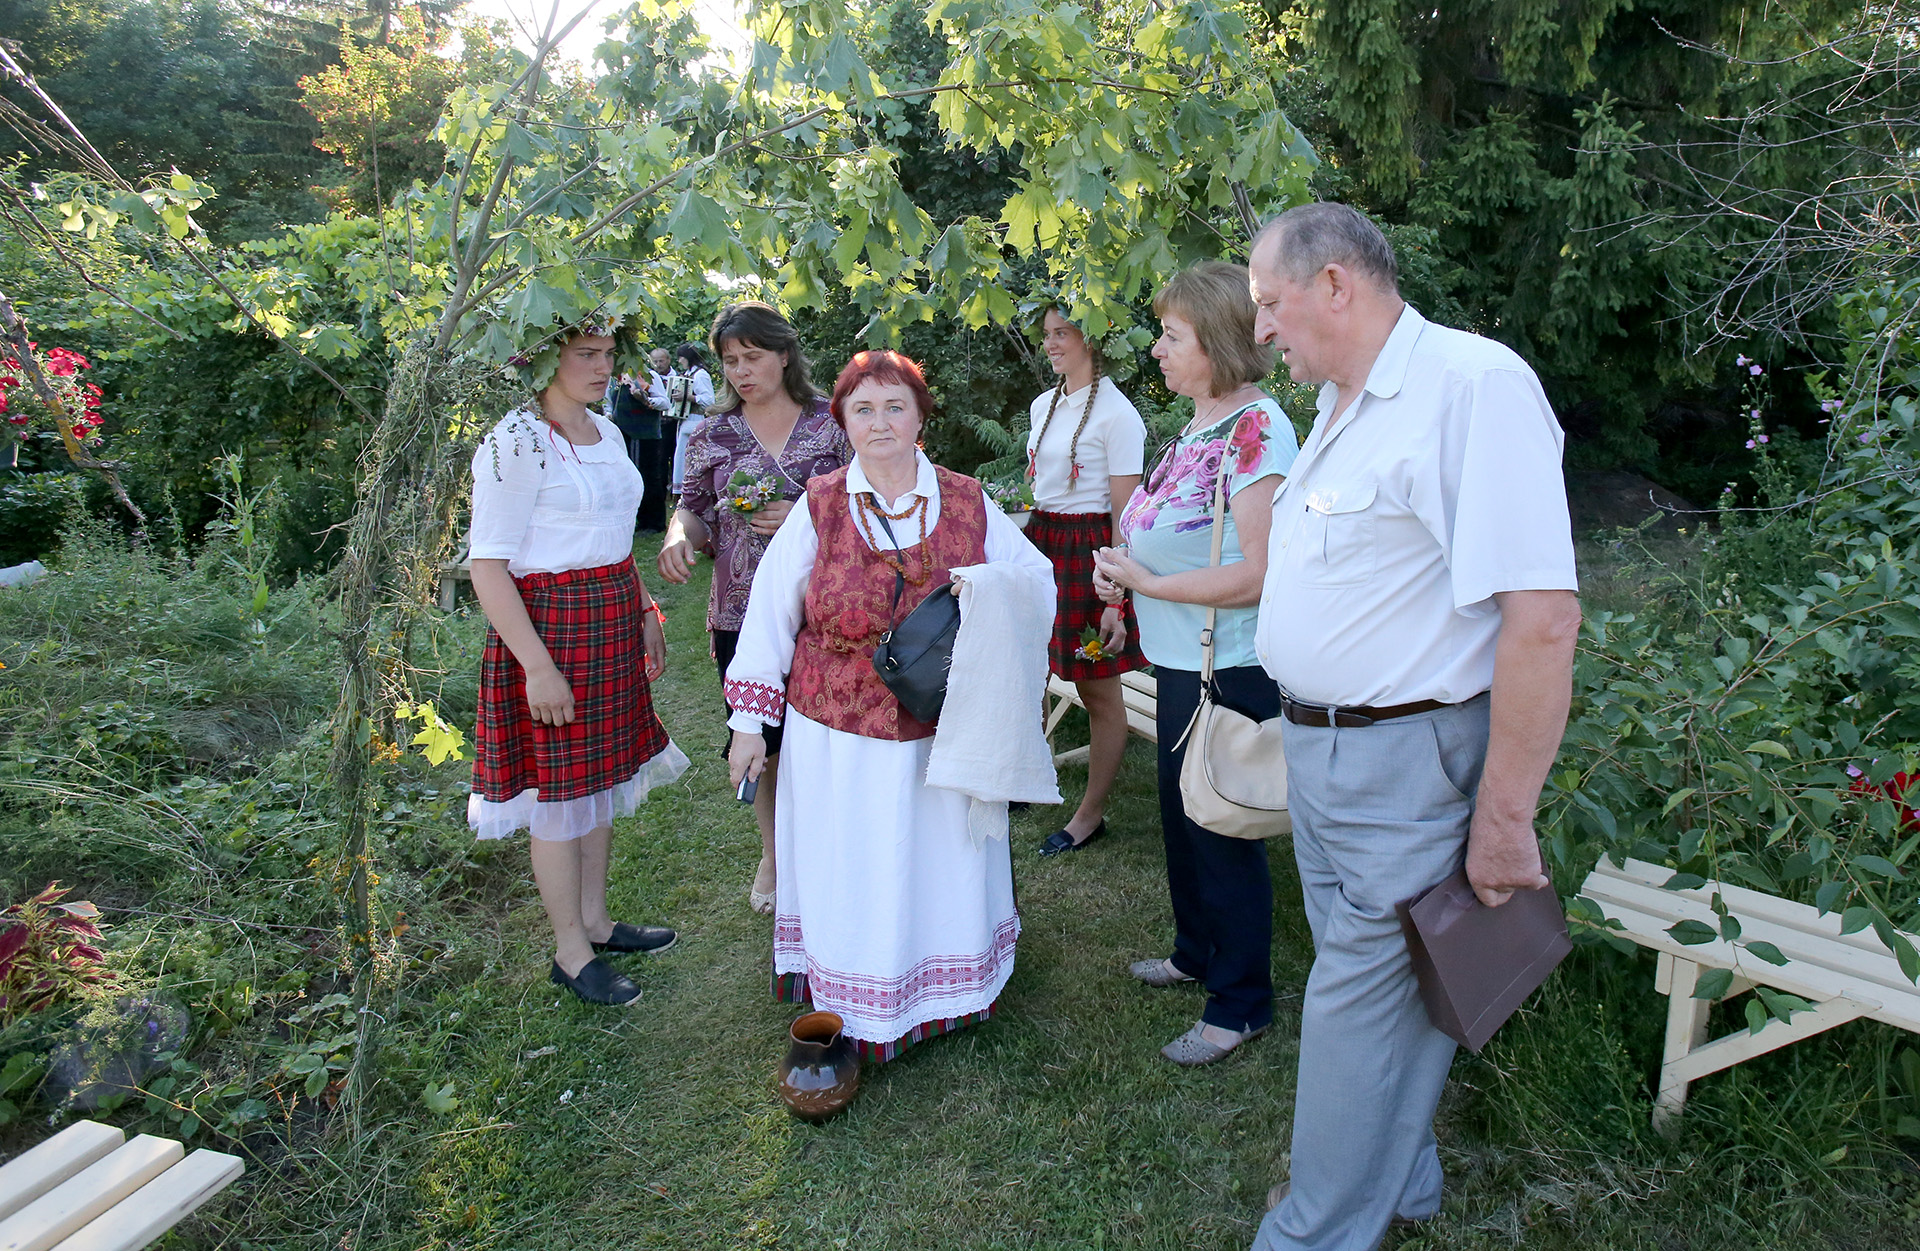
887 368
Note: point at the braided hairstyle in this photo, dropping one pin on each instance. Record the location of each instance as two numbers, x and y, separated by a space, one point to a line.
1086 415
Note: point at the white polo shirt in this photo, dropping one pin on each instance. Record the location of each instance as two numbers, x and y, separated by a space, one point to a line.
1439 487
1112 445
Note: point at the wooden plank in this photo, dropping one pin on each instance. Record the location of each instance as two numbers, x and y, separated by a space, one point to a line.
73 1203
1140 714
1878 970
34 1172
1745 1044
1747 902
1808 980
1073 756
1832 968
159 1205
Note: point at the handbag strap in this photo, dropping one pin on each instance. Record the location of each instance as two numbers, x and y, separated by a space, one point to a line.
1219 537
1206 635
899 575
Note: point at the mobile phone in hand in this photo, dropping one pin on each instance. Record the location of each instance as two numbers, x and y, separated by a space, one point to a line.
749 787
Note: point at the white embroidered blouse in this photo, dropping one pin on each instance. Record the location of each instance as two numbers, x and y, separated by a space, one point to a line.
545 505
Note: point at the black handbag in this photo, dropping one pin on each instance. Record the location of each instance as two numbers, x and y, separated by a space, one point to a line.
914 657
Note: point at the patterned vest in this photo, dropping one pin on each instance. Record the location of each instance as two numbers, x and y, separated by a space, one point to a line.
848 601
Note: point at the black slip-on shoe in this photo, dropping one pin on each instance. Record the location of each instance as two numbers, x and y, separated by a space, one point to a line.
651 939
598 982
1060 841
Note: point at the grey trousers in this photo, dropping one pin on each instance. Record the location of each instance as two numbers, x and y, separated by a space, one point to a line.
1380 813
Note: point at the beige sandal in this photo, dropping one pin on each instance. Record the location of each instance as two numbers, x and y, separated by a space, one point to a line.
760 901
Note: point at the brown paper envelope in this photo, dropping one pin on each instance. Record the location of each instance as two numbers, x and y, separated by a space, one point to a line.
1477 965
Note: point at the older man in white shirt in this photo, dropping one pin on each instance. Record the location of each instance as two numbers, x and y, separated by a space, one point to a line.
1419 614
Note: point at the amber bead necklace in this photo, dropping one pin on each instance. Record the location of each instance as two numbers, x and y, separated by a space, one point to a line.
896 561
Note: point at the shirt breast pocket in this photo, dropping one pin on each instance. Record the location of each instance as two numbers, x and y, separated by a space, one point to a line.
1338 532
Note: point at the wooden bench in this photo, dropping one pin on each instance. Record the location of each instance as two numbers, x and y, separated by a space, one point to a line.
1845 976
1137 689
452 574
88 1188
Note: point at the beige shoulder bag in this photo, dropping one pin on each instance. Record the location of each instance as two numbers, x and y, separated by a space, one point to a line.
1234 778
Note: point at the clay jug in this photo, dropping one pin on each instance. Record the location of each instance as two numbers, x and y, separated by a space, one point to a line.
822 1070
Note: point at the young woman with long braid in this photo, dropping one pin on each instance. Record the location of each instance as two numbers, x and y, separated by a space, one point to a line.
1085 450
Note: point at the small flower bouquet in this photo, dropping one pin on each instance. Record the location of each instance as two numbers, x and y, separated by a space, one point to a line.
1092 646
1012 496
747 494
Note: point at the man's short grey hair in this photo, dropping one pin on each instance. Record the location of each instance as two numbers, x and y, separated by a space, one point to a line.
1311 237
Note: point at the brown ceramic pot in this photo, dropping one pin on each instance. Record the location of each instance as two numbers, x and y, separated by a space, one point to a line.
822 1071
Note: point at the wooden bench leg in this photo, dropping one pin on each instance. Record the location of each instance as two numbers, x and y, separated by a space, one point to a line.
1685 1059
1686 1029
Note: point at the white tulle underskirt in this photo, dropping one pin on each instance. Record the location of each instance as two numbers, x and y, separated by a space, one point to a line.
569 819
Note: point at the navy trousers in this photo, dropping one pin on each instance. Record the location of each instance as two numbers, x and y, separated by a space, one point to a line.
1222 896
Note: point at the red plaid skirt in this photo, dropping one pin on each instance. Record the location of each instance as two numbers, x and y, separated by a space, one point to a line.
590 621
1068 540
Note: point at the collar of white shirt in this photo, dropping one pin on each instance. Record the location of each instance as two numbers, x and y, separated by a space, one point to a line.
923 482
1389 372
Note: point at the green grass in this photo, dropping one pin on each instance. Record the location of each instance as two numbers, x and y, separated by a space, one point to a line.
1057 1125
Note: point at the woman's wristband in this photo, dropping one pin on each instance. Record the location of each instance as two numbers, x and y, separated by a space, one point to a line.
654 609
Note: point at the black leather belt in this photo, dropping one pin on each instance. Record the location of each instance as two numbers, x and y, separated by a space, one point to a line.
1351 718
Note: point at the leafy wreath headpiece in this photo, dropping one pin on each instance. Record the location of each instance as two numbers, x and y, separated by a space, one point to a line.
535 363
1117 345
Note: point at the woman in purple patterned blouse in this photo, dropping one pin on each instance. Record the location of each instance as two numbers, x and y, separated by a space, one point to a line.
767 433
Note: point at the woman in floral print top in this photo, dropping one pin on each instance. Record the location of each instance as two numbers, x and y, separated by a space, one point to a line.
1222 898
769 432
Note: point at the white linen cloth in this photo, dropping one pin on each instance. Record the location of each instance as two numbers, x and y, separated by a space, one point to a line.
545 505
1112 445
991 743
1438 488
897 917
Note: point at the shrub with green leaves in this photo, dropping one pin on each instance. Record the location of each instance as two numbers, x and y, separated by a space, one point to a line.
1768 742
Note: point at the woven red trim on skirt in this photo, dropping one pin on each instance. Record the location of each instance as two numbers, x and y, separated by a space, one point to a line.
590 621
1068 540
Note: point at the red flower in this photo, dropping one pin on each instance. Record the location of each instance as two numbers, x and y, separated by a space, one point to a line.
1894 788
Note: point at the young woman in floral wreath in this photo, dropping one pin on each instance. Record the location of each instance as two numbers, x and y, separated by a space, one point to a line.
567 738
1085 449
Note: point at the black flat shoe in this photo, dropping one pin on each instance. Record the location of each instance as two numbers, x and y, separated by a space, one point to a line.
1060 841
652 939
598 982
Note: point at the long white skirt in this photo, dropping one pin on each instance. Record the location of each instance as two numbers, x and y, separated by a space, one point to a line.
897 921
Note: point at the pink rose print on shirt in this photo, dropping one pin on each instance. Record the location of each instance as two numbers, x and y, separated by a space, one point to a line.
1211 459
1250 439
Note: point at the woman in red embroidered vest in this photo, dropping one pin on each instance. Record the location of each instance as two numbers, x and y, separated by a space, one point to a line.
889 913
567 737
1085 449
